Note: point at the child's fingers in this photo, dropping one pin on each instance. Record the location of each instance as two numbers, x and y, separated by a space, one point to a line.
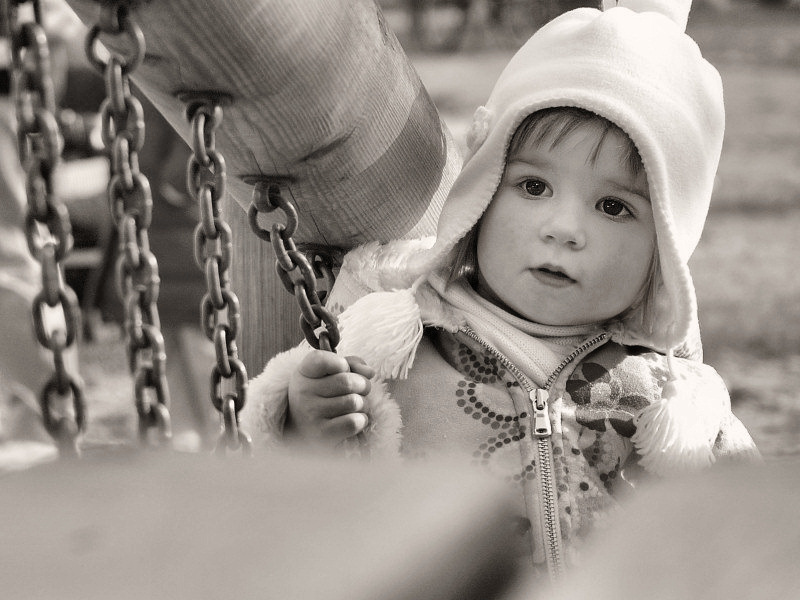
357 365
329 408
339 384
345 426
319 363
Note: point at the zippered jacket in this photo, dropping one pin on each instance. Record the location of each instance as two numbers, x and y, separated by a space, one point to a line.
454 392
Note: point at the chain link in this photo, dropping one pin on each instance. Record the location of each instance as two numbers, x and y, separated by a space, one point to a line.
56 316
297 272
220 317
131 205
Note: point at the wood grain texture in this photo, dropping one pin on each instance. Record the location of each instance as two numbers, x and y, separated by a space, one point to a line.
269 314
322 95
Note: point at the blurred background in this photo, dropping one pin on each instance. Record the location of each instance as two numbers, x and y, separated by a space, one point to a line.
748 291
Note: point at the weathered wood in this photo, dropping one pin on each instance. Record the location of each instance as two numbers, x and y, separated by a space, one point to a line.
270 315
321 94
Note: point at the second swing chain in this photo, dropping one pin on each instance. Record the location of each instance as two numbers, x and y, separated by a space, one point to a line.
206 178
131 203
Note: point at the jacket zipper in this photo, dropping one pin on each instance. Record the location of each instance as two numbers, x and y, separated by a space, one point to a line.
542 431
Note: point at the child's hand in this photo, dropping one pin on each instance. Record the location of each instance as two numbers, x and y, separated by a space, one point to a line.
326 397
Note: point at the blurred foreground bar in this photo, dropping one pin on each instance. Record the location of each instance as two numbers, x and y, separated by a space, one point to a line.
147 526
731 533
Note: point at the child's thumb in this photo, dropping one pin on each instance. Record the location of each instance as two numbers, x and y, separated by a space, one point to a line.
357 365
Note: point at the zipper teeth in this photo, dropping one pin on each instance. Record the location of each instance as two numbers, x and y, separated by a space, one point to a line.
555 565
572 356
521 377
550 511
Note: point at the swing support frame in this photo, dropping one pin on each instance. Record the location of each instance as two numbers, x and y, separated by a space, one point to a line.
327 180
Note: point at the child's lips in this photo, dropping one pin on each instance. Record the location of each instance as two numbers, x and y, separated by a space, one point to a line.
552 276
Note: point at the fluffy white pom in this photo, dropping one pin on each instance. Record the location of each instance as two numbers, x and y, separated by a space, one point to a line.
676 434
383 328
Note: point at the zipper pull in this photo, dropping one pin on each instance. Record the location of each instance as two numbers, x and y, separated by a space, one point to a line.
541 418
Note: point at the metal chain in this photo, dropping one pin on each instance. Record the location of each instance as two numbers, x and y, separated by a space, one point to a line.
323 261
131 204
47 227
206 179
297 273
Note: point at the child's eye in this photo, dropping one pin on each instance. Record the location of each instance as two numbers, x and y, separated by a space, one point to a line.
613 207
534 187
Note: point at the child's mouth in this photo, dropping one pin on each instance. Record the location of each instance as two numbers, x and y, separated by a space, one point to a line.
552 276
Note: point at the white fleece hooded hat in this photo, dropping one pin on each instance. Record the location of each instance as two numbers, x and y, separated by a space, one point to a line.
633 64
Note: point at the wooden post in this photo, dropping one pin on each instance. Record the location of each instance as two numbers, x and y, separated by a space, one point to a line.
318 94
270 315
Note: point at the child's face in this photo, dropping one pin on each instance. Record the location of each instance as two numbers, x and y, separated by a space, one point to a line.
567 240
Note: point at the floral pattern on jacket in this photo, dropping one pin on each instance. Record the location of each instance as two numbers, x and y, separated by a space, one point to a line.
460 396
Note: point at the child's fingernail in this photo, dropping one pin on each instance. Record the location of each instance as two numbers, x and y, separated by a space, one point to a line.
362 422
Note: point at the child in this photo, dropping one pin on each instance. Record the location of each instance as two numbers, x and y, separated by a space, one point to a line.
560 346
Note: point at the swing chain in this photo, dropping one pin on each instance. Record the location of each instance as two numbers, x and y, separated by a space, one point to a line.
47 226
206 178
131 205
297 273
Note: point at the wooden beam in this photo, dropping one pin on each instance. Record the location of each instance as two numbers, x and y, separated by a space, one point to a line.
322 96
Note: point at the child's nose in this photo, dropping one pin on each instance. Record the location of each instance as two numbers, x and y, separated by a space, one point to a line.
564 227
